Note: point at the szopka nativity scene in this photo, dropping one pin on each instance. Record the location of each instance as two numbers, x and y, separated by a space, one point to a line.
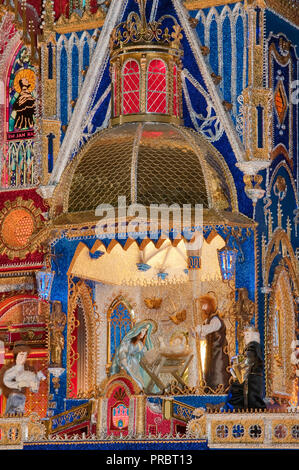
149 217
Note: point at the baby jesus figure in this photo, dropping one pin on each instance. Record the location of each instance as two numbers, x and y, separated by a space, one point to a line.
176 347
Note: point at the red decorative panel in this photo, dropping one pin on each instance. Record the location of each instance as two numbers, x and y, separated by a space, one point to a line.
118 411
157 87
10 198
131 86
38 402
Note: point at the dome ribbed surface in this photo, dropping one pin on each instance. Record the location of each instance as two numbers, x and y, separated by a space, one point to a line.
148 163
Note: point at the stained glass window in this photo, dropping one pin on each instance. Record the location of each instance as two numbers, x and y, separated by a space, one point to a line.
120 324
130 87
157 87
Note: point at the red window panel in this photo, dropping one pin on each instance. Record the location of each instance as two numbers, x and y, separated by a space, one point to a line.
175 92
157 87
131 87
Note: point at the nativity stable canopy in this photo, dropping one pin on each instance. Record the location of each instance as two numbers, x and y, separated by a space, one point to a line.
148 163
146 156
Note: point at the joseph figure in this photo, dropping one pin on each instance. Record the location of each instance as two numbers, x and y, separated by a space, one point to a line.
213 331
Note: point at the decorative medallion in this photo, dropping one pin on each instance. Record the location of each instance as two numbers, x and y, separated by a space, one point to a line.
19 222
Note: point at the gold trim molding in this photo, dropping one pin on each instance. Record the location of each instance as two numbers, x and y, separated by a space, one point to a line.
9 247
82 291
201 4
287 8
79 23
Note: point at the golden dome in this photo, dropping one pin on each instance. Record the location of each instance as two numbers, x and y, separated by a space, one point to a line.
148 163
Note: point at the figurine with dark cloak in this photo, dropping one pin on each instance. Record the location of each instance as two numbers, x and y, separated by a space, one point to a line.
246 390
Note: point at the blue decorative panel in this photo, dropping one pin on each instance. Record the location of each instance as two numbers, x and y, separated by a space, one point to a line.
227 60
214 46
75 72
63 87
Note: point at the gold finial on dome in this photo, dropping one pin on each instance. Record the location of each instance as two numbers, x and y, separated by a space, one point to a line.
136 30
142 9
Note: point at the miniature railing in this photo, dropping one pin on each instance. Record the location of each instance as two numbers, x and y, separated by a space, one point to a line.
271 428
182 411
70 419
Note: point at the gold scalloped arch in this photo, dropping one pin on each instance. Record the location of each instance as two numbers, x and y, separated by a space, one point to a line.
280 240
279 371
280 243
82 292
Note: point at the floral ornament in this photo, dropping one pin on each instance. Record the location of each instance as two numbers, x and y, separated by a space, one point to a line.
280 187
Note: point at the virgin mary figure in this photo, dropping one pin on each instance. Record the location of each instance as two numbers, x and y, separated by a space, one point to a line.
131 350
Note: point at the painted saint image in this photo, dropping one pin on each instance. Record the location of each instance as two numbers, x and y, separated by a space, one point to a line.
213 331
23 101
131 350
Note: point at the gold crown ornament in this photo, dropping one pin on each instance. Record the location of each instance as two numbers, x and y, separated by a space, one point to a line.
137 31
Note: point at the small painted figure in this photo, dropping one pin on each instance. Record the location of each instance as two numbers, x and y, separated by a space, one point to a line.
23 108
15 378
213 331
246 390
57 324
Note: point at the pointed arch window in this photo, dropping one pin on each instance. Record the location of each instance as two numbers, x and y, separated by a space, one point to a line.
120 322
157 87
131 87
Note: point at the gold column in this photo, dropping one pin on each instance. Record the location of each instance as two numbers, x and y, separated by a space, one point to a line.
140 415
143 67
118 87
99 416
50 123
257 140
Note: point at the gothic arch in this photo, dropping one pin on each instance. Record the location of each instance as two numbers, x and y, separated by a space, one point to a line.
118 324
286 167
280 308
280 244
280 332
81 340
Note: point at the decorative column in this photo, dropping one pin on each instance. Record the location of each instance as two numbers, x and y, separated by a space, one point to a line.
194 265
257 101
50 123
252 180
101 417
140 415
